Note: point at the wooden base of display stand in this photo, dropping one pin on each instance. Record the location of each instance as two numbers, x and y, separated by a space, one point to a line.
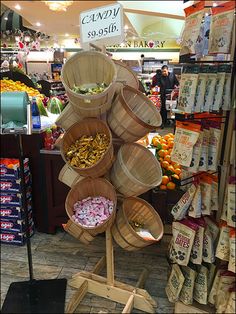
193 308
91 282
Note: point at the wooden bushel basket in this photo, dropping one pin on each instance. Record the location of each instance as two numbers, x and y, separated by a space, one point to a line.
69 176
133 115
92 187
89 126
85 68
77 232
136 209
68 117
135 170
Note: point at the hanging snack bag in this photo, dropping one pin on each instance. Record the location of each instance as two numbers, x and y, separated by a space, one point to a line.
195 208
175 283
186 136
188 87
226 280
214 194
186 177
206 188
210 88
212 294
186 294
203 163
227 88
223 249
232 247
183 237
180 209
213 227
197 249
231 304
197 148
222 28
220 80
231 201
213 150
208 254
200 285
201 88
211 276
225 205
194 16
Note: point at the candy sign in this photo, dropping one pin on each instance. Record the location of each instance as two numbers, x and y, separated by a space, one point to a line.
103 25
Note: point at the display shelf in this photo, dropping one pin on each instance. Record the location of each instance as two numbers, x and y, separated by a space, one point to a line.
52 86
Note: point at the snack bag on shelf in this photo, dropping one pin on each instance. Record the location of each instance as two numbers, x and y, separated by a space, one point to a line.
231 201
201 88
213 291
206 189
197 148
210 88
186 293
211 276
225 205
197 249
175 283
183 237
195 208
203 163
232 248
180 209
231 303
194 16
221 29
214 146
223 249
186 137
200 286
188 87
227 89
213 227
208 254
220 80
226 280
214 194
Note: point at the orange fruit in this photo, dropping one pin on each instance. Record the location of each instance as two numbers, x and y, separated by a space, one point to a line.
170 144
165 164
167 158
162 141
166 137
175 176
164 146
171 168
163 187
170 186
155 141
161 153
177 171
175 165
169 150
161 159
165 180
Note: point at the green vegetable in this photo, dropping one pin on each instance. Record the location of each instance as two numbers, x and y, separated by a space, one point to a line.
54 105
99 88
42 110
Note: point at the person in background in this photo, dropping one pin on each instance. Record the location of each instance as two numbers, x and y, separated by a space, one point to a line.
168 81
156 78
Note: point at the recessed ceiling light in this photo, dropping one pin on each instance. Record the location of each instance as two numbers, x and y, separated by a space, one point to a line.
17 7
214 4
38 24
67 35
5 18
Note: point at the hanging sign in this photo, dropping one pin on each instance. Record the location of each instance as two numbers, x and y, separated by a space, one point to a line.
103 25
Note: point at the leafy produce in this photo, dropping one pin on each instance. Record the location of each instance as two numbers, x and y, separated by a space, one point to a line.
7 85
42 109
87 150
54 105
171 170
93 90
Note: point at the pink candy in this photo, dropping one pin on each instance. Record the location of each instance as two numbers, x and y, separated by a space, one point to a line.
92 211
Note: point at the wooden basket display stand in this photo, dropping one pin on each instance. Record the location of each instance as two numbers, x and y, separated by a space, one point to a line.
68 117
138 210
133 115
92 187
86 68
89 126
142 173
135 170
69 176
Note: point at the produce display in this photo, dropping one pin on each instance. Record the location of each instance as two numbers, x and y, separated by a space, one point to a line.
54 105
92 211
7 85
93 90
87 150
171 170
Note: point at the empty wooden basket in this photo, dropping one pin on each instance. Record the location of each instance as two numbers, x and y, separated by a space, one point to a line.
138 210
135 170
133 115
85 68
125 76
89 126
92 187
77 232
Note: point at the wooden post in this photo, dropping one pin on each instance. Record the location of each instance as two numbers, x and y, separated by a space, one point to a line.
110 258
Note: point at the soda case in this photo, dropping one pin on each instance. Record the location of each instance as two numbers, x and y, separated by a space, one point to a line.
15 225
14 212
13 199
13 186
15 238
10 168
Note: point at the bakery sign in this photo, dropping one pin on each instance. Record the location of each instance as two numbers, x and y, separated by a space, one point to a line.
151 44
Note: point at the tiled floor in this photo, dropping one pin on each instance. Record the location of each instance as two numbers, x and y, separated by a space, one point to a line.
61 256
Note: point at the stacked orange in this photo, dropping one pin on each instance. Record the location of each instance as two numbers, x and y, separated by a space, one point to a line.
171 170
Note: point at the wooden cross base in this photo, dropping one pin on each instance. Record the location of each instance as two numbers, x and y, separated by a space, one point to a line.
91 282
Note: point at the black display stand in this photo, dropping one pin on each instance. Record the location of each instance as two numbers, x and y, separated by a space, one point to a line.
33 296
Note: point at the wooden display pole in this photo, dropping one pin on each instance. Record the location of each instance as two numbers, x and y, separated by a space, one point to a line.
91 282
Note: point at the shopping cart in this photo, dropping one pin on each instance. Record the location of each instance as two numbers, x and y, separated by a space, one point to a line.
171 102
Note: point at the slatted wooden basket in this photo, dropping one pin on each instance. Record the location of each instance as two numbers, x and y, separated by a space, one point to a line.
92 187
86 68
89 126
77 232
138 210
125 76
69 176
133 115
68 117
135 170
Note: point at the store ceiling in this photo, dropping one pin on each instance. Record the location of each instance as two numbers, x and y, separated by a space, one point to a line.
146 19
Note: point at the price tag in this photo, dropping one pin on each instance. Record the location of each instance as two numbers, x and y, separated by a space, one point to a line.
103 25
